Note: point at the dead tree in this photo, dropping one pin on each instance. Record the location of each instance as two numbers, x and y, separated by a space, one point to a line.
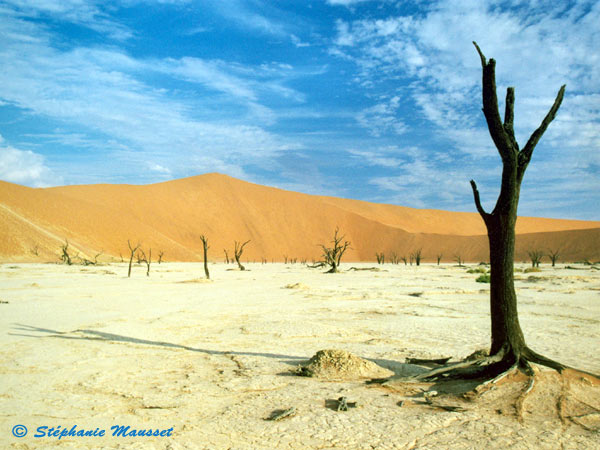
160 256
553 255
459 260
142 258
65 257
416 255
238 250
226 256
333 255
439 258
536 257
403 258
380 258
132 251
508 351
205 248
88 262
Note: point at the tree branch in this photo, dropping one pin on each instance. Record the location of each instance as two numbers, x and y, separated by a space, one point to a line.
480 209
525 154
490 108
509 116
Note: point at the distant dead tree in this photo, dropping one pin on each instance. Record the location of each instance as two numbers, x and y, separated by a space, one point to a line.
439 258
160 256
226 256
459 260
35 250
285 259
205 248
65 257
380 258
333 255
88 262
403 258
238 250
417 257
132 251
145 259
553 255
536 257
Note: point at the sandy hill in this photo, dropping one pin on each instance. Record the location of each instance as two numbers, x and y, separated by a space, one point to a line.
170 217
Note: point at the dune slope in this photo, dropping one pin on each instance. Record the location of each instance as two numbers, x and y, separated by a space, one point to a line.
169 217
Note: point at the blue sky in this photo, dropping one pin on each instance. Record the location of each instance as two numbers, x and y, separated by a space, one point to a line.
373 100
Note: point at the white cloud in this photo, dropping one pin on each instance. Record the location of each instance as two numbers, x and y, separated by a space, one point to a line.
104 92
382 118
25 167
373 158
538 46
536 53
345 2
84 13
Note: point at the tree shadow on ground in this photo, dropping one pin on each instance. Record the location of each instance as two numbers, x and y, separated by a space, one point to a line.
93 335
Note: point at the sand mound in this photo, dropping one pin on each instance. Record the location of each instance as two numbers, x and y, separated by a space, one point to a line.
339 364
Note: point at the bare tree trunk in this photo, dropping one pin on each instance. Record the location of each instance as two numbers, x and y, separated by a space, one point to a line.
131 255
205 248
507 336
508 350
238 250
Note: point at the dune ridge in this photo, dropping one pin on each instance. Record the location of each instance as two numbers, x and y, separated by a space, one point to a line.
170 217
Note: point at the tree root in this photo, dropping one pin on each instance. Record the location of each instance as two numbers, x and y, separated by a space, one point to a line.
521 400
487 371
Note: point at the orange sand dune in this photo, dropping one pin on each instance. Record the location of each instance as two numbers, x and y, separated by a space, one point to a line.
170 217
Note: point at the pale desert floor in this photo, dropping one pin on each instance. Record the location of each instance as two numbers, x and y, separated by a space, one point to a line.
87 346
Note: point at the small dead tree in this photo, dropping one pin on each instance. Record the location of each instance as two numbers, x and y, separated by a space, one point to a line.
553 255
459 260
226 256
132 250
65 257
333 255
35 250
238 250
380 258
88 262
403 258
205 248
417 257
536 257
160 256
145 259
439 258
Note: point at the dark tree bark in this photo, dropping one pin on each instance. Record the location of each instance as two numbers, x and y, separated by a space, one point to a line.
238 250
553 255
132 250
205 247
507 336
65 257
536 257
508 350
333 255
146 259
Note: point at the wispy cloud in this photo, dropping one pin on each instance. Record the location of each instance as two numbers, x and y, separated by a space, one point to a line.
382 118
538 47
85 13
104 91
